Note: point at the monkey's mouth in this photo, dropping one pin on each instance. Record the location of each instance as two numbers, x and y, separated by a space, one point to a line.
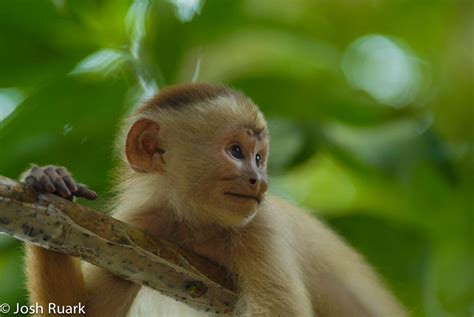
242 196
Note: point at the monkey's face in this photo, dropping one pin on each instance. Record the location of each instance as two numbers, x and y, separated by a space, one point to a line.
232 179
243 170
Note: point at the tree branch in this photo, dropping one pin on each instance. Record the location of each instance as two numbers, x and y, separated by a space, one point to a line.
57 224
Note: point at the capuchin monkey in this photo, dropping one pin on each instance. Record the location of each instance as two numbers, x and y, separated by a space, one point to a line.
194 173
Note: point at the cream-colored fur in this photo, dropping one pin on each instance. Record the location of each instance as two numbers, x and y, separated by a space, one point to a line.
152 303
332 276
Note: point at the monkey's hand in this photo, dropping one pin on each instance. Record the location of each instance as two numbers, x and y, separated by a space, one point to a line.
57 180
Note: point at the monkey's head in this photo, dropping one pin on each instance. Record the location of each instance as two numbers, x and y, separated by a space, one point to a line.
208 146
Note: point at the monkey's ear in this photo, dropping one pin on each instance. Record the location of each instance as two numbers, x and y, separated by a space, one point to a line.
142 147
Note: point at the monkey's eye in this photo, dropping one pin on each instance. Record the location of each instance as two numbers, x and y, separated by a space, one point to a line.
258 160
236 152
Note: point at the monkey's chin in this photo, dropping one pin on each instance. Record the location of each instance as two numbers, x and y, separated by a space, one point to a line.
239 212
236 220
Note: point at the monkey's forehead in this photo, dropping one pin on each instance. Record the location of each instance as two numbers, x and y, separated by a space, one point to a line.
212 105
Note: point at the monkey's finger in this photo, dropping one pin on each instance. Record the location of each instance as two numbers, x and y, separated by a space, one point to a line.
39 180
58 182
31 180
85 193
46 184
36 173
71 184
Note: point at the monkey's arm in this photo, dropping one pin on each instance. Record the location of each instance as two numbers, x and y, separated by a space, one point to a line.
54 277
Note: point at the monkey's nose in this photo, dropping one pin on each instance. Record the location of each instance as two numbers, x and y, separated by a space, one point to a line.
255 183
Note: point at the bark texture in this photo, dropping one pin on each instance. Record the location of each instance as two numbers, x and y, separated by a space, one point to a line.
55 223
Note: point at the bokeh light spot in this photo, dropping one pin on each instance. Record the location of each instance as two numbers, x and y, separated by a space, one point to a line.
102 62
384 69
187 9
10 98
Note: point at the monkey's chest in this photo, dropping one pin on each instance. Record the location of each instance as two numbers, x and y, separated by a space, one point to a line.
151 303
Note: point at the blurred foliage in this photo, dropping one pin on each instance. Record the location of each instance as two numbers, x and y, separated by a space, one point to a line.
370 105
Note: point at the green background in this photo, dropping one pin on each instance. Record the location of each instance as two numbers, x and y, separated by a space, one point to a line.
370 105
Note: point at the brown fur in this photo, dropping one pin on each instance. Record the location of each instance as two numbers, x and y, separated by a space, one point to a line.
286 262
180 96
50 274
